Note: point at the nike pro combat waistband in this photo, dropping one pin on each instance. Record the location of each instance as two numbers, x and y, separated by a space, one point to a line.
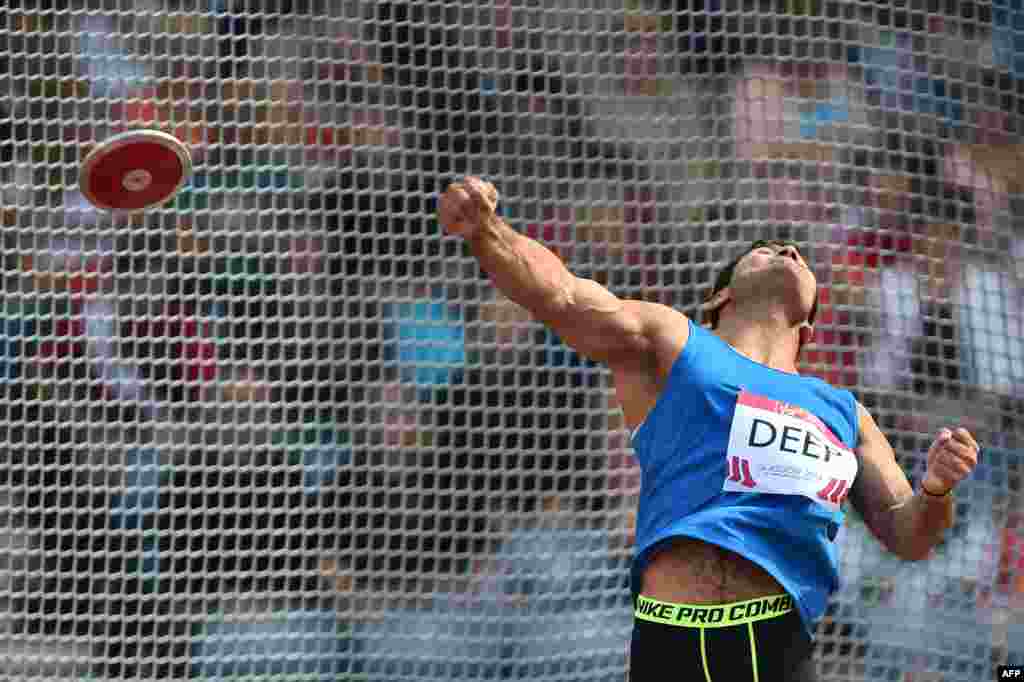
713 616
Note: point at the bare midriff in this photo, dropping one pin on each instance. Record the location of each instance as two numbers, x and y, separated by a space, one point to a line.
689 571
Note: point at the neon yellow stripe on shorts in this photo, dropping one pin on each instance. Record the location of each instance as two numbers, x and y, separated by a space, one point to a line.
713 615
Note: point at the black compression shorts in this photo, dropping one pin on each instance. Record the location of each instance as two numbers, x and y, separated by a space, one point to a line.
760 640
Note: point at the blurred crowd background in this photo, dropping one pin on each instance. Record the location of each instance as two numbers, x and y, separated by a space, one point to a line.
282 426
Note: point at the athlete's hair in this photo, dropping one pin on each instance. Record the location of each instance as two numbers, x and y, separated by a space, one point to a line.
710 317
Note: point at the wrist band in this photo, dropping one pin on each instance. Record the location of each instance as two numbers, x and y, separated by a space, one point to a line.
925 490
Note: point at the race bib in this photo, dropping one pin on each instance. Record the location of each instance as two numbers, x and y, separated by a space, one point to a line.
785 450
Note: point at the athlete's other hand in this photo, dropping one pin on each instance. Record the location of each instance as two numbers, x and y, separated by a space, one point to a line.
951 459
466 206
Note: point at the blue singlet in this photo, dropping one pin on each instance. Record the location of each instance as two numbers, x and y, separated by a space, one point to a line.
752 459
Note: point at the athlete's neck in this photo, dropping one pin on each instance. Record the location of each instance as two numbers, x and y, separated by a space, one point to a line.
764 336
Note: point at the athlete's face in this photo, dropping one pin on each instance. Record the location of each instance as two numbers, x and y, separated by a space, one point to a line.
776 271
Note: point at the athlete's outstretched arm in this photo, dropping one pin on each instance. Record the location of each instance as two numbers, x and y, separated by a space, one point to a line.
909 525
584 314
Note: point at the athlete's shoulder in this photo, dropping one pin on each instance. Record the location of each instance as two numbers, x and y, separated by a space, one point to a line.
846 402
667 329
657 315
843 394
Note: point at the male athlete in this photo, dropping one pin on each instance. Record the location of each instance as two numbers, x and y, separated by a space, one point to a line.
745 464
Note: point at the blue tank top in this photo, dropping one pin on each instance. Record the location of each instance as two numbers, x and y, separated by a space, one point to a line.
752 459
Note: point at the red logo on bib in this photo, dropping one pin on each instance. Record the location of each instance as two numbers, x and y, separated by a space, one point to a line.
739 471
834 492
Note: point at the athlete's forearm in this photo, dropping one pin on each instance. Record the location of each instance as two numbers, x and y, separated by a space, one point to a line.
523 269
919 524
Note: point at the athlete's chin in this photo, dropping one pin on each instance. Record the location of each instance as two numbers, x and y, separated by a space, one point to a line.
794 269
790 281
797 294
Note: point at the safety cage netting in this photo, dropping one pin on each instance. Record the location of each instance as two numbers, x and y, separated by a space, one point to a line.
282 427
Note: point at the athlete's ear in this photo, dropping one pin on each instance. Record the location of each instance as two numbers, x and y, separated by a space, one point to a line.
716 302
806 333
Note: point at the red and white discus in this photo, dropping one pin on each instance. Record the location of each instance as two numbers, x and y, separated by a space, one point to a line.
134 170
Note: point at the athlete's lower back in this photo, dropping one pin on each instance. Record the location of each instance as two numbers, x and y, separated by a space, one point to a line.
692 571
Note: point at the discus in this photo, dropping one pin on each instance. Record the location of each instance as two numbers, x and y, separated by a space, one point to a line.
134 170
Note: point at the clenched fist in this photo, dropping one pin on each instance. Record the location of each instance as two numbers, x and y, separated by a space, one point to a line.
951 458
466 206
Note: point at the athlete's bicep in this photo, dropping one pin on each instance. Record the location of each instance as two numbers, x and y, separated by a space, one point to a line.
881 485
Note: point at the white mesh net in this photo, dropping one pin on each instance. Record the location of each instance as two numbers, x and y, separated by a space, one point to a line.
282 427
